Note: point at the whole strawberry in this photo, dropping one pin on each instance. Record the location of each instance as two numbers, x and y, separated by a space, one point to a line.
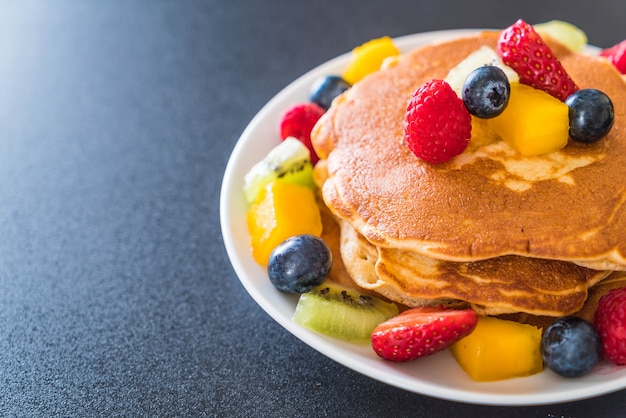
610 322
437 125
616 55
420 332
522 48
298 122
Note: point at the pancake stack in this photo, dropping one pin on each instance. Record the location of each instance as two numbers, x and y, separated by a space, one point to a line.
503 233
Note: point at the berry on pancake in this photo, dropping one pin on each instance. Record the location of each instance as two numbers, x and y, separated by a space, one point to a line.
616 55
522 48
437 125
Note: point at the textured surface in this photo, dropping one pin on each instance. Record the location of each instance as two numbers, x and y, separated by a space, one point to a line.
117 119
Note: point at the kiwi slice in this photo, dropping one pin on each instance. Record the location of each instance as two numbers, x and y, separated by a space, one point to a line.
341 312
290 161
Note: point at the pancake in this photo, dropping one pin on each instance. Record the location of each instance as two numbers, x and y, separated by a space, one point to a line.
359 258
489 201
615 280
507 284
361 274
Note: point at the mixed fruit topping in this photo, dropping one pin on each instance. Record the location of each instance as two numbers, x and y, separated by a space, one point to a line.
536 111
521 93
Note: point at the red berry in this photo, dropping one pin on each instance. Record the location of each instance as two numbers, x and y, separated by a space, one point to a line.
437 125
523 49
419 332
298 122
616 55
610 322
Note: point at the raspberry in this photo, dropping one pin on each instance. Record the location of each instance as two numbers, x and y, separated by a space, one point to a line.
298 122
616 55
610 321
437 125
522 48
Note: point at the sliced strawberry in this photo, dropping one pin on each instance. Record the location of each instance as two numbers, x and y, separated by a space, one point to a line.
420 332
522 48
616 55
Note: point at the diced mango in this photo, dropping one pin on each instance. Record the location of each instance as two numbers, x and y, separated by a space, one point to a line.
533 122
498 349
282 210
369 57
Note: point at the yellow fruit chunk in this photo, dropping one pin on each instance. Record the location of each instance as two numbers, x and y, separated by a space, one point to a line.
533 122
499 349
368 58
282 210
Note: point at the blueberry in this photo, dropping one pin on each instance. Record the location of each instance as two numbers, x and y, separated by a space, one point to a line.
486 92
570 346
299 264
326 88
591 115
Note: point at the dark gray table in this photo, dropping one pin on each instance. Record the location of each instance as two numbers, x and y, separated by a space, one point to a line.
117 119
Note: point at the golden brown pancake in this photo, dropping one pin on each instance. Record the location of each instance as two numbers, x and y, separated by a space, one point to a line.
506 284
489 201
363 256
615 280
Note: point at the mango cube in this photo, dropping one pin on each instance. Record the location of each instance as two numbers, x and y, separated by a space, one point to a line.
533 122
498 349
369 57
282 210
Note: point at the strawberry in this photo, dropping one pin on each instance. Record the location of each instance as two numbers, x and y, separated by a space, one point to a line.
420 332
437 125
522 48
610 322
616 55
298 122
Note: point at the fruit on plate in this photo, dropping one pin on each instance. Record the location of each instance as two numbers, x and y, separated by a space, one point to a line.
482 56
422 331
288 162
616 55
299 263
368 58
281 211
498 349
486 91
570 347
437 125
341 312
591 115
610 321
326 88
298 122
533 122
566 33
522 48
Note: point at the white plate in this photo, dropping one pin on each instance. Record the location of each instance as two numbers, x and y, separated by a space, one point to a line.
439 375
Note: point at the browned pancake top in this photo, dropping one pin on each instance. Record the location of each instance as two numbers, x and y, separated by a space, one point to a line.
471 208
